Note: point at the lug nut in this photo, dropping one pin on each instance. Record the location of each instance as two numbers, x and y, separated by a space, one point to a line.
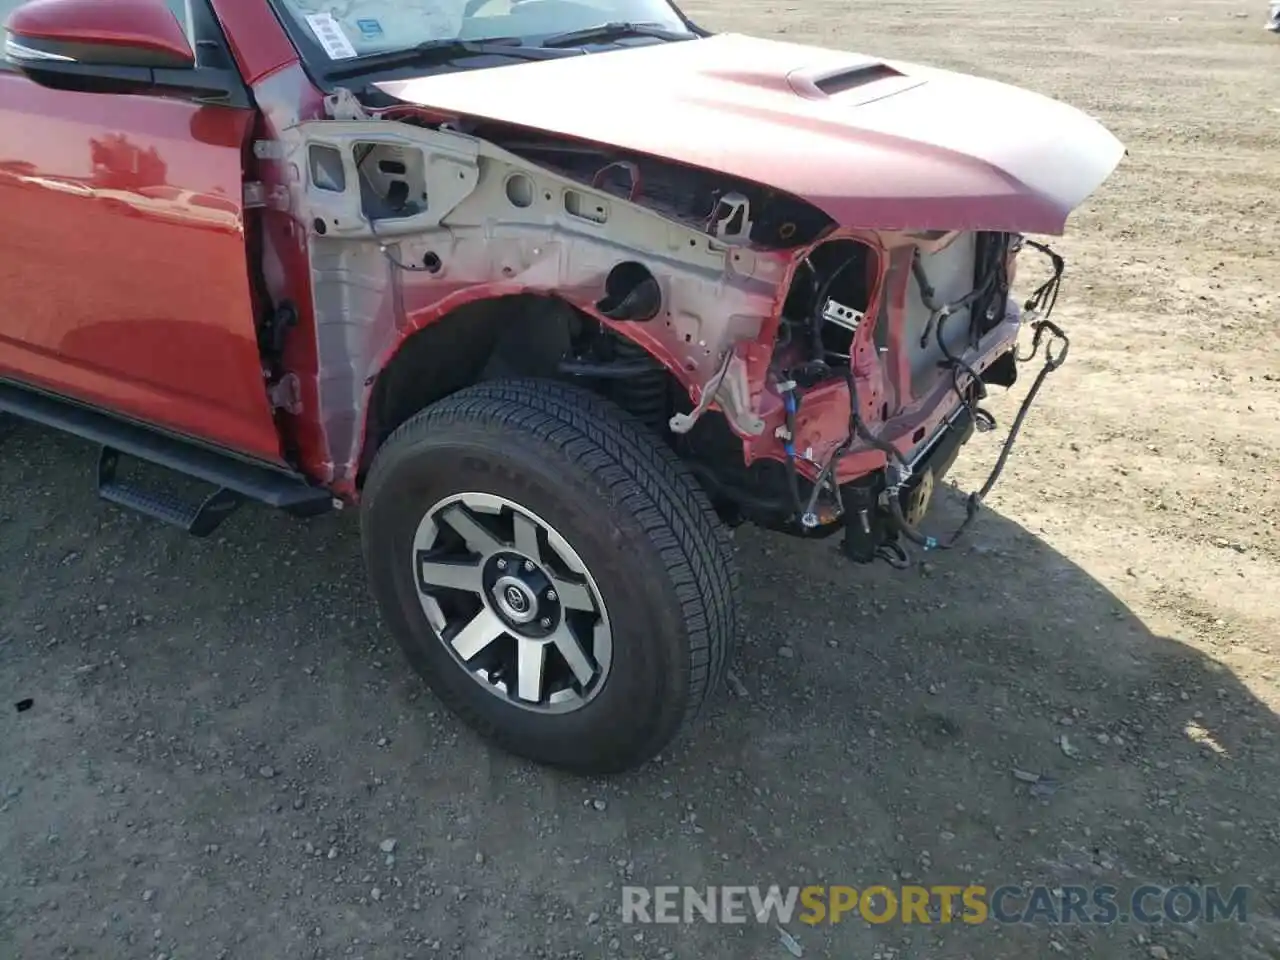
545 622
552 596
528 565
502 564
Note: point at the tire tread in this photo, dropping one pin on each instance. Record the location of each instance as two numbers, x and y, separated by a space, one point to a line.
642 476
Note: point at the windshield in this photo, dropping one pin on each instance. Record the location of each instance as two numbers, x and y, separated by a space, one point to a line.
358 28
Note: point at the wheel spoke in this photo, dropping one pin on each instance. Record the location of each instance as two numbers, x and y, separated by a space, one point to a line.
537 633
562 550
456 576
573 654
573 596
484 628
479 540
527 537
532 659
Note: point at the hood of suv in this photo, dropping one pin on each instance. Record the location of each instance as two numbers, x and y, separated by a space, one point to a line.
873 143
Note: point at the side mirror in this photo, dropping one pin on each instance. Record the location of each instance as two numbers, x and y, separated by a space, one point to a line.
84 36
112 46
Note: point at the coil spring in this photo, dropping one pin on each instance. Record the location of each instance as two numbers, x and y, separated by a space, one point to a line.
644 395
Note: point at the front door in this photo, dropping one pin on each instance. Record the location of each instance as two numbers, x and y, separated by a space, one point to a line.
124 280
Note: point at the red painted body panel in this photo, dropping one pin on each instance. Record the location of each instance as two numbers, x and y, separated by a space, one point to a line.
257 40
123 260
893 146
285 97
144 24
125 241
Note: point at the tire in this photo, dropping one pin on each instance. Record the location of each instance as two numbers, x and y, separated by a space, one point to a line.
651 566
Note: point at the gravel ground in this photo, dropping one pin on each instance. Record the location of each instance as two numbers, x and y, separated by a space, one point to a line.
224 756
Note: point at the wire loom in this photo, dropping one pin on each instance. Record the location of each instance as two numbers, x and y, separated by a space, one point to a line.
1038 307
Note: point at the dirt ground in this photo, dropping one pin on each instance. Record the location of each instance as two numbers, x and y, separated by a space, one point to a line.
222 737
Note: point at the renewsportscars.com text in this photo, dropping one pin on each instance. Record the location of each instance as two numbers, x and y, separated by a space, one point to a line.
939 903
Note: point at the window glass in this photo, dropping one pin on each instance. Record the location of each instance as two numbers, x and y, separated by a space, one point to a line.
359 27
179 8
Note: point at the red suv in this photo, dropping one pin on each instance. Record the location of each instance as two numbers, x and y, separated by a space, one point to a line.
555 290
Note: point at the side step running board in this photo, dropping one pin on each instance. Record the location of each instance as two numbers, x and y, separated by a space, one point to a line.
199 519
236 479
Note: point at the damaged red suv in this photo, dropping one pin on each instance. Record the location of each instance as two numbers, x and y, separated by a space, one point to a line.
555 291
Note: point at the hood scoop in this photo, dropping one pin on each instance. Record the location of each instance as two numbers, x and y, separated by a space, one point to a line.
857 77
852 85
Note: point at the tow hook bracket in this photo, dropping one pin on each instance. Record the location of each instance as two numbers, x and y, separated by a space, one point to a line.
916 499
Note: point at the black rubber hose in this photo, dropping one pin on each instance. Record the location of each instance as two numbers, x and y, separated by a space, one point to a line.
792 406
857 427
938 310
974 501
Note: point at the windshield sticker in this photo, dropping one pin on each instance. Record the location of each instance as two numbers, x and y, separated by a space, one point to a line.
331 37
369 28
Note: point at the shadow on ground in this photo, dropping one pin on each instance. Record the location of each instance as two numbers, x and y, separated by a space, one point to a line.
221 739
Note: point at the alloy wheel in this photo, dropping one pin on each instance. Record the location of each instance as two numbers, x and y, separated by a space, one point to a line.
513 602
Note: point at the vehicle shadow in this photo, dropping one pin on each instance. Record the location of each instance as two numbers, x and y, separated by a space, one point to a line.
225 722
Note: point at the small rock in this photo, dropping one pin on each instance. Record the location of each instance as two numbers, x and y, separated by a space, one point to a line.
479 859
266 772
736 686
1044 788
148 896
387 846
333 853
786 652
599 804
1157 952
376 893
791 944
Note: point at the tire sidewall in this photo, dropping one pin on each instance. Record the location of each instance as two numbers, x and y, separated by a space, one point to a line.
648 686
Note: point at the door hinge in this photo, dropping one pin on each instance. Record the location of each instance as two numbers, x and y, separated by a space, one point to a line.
255 195
268 149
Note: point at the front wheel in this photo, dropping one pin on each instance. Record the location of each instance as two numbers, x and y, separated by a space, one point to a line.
552 571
